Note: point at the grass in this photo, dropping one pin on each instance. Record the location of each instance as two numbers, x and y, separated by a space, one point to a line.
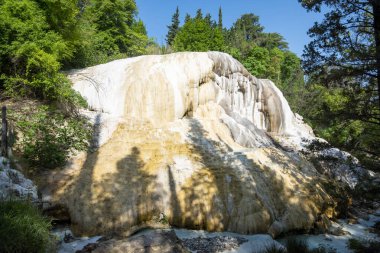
23 228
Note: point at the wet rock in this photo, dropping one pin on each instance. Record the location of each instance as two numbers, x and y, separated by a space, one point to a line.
14 185
156 241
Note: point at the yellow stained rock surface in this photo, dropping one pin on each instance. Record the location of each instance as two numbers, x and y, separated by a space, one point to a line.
135 177
184 139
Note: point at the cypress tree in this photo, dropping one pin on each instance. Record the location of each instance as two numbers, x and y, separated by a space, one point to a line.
199 14
187 18
208 19
173 28
220 21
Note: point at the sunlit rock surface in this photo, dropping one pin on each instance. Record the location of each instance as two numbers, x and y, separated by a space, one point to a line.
193 138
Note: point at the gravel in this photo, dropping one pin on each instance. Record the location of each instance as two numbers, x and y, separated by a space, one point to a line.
214 244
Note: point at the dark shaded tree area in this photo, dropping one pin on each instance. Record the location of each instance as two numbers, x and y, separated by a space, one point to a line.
173 28
343 66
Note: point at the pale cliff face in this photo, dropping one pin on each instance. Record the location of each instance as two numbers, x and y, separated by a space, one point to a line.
161 89
187 135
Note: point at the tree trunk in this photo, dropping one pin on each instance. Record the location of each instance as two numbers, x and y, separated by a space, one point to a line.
376 14
4 132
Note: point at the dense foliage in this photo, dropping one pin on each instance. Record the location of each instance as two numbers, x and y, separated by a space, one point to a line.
46 137
199 34
343 65
41 37
31 52
23 228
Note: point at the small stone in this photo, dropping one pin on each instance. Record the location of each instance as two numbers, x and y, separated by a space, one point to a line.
352 221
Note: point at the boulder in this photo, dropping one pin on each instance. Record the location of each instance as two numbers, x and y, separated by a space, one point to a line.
14 185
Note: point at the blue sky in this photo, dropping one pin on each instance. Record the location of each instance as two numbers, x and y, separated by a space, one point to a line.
286 17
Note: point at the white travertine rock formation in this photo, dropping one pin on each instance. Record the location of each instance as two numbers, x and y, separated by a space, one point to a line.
160 89
189 136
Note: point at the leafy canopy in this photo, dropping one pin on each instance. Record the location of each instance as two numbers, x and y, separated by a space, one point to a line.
343 66
198 35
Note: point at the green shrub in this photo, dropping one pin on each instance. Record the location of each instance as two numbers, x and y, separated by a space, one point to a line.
23 228
47 137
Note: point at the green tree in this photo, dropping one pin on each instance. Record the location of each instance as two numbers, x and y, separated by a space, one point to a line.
346 46
220 19
113 21
197 35
31 54
292 82
209 20
326 109
243 33
173 28
199 14
257 61
271 41
62 17
264 63
187 17
344 57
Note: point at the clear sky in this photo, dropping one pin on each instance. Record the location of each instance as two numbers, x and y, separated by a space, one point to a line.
286 17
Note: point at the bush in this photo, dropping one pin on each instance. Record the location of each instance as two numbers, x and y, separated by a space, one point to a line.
23 228
47 137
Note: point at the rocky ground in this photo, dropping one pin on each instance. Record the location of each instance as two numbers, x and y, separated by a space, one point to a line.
215 244
364 228
170 241
341 231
